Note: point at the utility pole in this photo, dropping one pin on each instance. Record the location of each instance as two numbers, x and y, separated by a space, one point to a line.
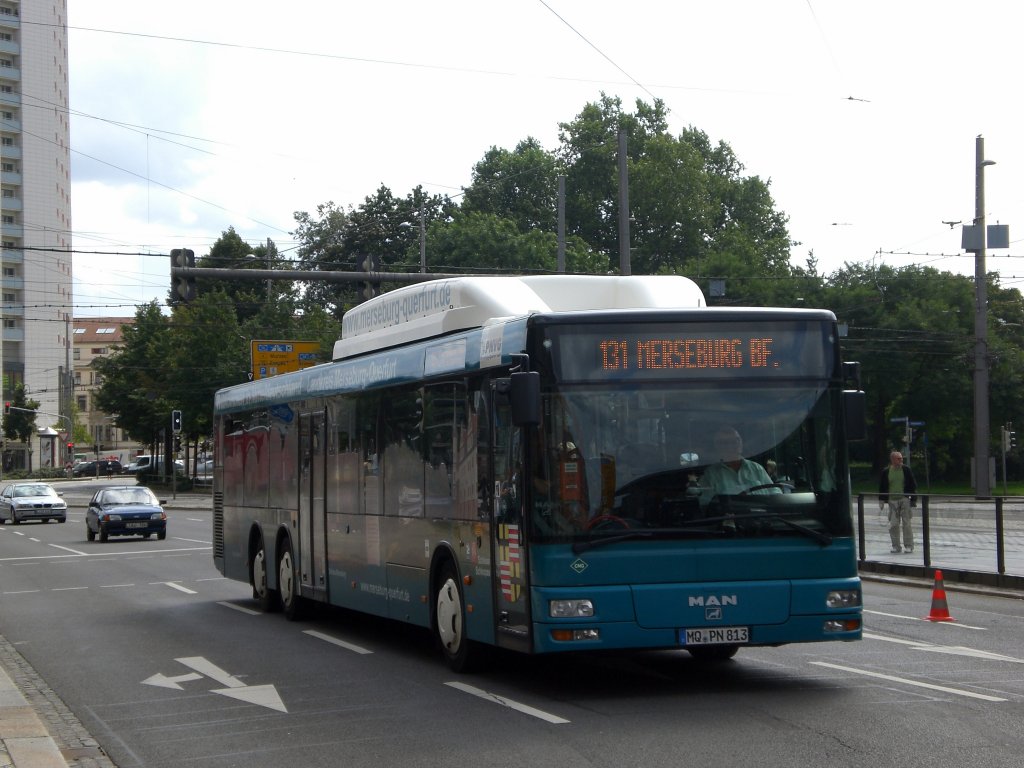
625 267
982 486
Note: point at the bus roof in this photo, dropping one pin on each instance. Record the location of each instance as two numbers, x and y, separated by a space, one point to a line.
437 307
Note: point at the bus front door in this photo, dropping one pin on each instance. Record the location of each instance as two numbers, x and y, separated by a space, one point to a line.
509 561
310 539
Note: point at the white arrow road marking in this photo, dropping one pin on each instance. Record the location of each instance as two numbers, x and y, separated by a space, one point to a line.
524 708
161 680
204 667
261 695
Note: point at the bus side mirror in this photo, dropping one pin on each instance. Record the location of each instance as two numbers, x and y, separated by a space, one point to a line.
524 394
855 411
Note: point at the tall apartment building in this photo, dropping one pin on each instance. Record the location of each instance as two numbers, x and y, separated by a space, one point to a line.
35 205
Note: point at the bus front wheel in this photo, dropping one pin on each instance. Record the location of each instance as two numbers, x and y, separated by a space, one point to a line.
450 620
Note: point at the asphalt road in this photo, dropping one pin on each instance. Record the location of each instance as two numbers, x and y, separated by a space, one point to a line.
167 665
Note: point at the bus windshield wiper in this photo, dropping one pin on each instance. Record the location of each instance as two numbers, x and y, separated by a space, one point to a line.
824 539
583 546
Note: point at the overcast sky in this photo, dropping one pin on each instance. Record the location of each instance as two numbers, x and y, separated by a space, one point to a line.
192 117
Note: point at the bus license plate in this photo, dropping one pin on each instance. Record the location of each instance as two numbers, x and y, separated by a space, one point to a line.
715 635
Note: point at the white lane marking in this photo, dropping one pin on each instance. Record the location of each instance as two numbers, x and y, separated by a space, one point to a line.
23 592
518 707
66 589
107 553
114 586
239 608
69 549
955 650
178 587
906 681
919 618
336 641
211 670
214 578
33 538
195 519
192 541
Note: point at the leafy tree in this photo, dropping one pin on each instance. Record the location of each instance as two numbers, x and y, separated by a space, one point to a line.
488 244
20 423
384 227
135 377
247 296
521 185
207 353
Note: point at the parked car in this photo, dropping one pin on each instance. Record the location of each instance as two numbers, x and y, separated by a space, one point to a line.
125 510
100 468
139 463
32 501
147 464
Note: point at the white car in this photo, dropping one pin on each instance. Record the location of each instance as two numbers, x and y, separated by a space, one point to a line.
32 501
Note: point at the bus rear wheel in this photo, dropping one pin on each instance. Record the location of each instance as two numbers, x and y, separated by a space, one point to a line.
266 597
288 584
450 620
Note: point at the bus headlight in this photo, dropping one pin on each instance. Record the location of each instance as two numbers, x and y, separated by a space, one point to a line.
843 598
570 609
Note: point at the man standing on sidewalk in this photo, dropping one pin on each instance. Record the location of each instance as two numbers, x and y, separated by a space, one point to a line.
898 487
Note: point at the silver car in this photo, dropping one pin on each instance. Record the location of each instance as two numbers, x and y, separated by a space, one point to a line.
32 501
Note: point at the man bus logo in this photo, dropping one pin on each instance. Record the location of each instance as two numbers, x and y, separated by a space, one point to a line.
699 601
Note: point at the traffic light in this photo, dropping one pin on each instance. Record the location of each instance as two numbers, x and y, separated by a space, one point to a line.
369 288
176 422
71 447
177 443
183 287
7 407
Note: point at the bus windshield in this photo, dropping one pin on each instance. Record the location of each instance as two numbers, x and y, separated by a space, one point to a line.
689 460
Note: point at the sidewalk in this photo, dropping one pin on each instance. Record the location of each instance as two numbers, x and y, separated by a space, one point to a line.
37 730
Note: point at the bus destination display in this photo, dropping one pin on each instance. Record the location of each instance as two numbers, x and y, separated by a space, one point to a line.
656 352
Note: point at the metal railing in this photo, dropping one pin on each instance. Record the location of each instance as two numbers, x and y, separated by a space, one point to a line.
978 541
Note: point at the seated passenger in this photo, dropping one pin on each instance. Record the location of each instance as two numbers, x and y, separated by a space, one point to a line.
734 474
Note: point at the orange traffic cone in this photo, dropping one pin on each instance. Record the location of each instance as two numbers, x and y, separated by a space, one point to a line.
940 610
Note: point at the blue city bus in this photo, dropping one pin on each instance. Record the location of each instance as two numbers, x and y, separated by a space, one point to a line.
536 463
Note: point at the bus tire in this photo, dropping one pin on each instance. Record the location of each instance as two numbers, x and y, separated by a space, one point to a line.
261 592
288 583
450 619
713 652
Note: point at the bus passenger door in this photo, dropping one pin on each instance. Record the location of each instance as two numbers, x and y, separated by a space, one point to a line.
509 554
309 540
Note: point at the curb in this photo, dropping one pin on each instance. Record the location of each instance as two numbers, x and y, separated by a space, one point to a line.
37 730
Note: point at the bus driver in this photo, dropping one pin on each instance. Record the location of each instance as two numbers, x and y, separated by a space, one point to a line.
734 474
